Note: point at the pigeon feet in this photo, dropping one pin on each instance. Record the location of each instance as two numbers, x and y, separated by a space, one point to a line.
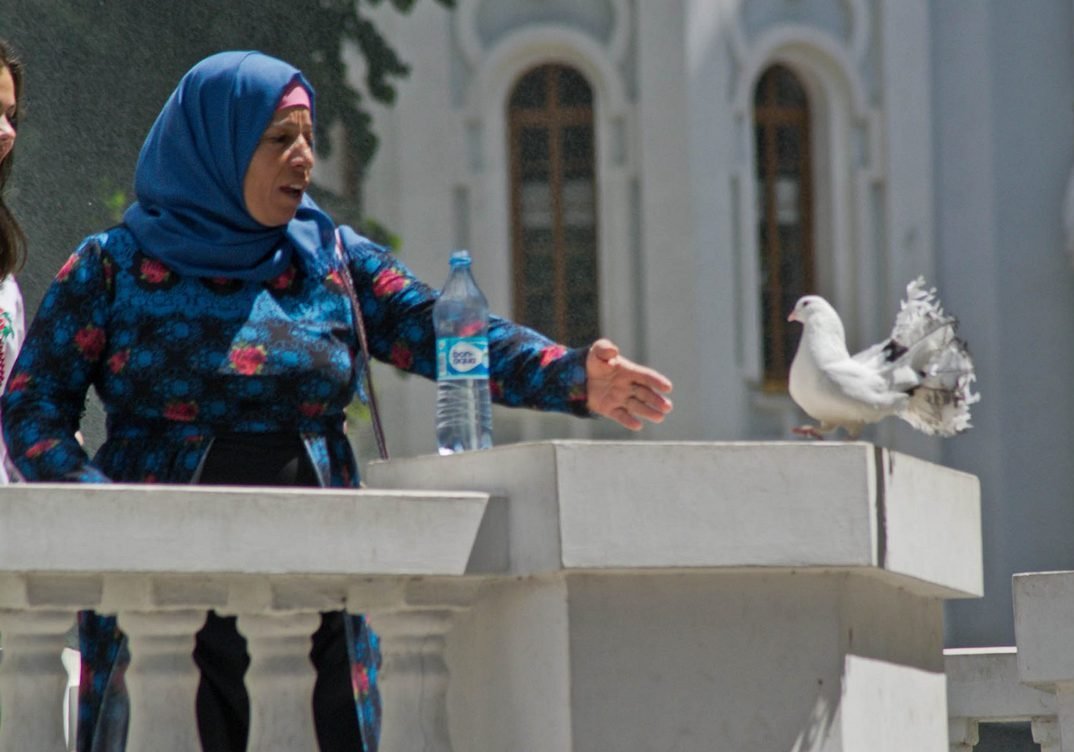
807 431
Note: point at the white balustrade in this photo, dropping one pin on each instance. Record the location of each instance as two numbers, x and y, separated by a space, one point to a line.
559 595
983 686
1031 682
1044 633
160 557
702 596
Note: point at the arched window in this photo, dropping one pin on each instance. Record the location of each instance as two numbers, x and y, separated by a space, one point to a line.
553 204
784 212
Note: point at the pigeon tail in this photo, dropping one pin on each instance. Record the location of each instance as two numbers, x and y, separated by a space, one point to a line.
940 406
924 338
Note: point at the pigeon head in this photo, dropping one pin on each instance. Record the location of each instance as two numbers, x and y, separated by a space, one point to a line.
811 307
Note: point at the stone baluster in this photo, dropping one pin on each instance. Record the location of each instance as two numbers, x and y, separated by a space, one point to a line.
414 678
962 734
1046 734
280 680
162 679
32 679
413 618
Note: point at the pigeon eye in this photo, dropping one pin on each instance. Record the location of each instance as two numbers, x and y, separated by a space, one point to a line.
805 304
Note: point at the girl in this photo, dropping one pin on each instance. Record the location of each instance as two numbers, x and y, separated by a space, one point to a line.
12 240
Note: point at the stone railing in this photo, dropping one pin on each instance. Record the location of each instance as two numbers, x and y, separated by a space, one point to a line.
699 596
559 595
1032 681
160 556
983 687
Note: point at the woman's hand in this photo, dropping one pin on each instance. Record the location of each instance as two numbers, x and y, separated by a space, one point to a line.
620 389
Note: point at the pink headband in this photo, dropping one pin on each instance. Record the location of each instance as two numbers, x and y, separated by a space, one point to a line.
294 95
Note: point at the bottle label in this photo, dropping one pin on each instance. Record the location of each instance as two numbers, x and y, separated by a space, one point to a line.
462 358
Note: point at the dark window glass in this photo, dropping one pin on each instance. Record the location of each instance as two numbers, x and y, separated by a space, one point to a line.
530 92
573 89
784 213
553 202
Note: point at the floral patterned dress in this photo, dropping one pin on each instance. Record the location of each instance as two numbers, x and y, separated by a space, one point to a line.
176 359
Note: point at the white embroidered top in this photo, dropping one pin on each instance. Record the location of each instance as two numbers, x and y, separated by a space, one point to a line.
12 333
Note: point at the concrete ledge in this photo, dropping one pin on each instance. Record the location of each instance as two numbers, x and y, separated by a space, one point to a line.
72 528
983 684
580 505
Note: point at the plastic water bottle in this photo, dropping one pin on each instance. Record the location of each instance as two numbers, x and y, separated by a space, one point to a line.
463 403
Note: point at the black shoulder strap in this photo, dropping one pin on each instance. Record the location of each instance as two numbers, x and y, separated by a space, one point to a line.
359 325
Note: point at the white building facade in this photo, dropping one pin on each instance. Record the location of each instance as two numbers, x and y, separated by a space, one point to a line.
940 143
699 163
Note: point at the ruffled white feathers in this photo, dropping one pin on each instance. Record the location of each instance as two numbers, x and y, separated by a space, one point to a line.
922 373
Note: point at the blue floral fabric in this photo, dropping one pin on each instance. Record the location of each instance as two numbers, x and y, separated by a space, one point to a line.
176 359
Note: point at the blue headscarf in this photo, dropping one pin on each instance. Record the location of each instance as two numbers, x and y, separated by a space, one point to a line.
190 211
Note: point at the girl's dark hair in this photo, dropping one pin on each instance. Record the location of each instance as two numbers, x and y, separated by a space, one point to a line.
12 239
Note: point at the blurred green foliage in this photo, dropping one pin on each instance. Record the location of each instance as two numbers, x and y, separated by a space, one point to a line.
98 71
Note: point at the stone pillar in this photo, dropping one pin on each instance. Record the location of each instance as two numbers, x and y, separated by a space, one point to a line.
280 680
32 679
1044 632
162 679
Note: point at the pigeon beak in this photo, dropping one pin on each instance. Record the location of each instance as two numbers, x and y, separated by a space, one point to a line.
793 316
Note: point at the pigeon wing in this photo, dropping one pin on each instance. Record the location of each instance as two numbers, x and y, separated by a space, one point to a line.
863 385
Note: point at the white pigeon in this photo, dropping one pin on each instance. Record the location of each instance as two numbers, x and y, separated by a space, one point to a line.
922 373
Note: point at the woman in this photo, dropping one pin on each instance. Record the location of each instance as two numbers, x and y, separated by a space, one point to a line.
12 240
215 326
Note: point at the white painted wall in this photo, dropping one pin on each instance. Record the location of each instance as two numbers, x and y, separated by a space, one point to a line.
945 141
1004 126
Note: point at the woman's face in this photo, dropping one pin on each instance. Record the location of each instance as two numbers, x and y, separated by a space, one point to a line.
7 112
279 171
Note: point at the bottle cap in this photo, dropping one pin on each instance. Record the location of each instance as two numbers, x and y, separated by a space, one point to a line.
460 258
